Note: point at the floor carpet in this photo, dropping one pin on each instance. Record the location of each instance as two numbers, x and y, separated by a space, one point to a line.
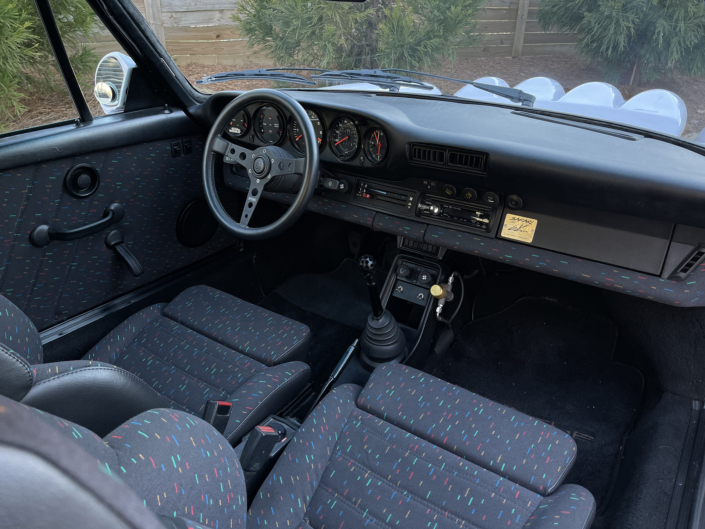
555 364
330 338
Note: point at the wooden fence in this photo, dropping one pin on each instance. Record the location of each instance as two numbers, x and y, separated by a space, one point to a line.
202 31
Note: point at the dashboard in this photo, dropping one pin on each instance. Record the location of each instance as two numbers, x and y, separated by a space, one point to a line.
607 207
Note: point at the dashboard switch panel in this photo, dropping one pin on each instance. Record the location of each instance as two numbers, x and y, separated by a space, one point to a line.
384 197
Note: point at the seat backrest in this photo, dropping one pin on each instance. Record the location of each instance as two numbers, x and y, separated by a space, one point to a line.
20 348
511 444
46 481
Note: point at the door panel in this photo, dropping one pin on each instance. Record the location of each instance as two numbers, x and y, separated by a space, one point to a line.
66 278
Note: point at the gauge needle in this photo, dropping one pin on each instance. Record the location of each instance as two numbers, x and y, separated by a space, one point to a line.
341 141
299 137
379 145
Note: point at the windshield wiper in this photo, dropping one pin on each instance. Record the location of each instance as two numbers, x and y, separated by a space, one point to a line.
270 74
513 94
381 78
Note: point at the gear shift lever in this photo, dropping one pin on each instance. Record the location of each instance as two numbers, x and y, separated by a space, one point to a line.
367 265
382 340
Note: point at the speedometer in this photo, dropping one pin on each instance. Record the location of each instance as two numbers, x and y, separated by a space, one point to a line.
269 125
297 136
344 138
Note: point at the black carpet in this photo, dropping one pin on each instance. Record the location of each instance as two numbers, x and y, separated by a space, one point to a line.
329 341
340 295
555 364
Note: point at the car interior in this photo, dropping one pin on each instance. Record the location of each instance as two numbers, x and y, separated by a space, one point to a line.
282 308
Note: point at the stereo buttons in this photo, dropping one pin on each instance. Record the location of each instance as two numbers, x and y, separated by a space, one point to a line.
448 190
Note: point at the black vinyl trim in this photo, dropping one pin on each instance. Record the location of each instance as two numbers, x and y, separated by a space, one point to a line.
62 59
104 133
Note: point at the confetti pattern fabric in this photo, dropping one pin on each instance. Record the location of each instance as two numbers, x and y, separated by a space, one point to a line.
18 334
239 325
67 278
687 293
178 350
184 365
511 444
350 468
396 226
178 465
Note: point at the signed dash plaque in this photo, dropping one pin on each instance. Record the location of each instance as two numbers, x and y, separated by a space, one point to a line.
519 228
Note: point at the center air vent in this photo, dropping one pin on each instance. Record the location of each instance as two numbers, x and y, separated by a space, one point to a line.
454 159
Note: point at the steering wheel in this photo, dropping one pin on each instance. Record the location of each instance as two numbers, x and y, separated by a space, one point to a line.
267 167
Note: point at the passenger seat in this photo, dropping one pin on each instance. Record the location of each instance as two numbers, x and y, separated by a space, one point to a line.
410 450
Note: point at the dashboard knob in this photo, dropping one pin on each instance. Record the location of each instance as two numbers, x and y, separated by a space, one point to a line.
424 277
435 209
403 271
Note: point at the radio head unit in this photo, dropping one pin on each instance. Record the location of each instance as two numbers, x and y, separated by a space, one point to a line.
472 215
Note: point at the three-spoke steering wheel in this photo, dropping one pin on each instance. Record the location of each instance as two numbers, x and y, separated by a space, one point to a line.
265 166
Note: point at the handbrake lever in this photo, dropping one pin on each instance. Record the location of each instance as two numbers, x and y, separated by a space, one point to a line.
116 241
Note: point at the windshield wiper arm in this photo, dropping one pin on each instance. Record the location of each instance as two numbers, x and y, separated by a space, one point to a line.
269 74
381 78
513 94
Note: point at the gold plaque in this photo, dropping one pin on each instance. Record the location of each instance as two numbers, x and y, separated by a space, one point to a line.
519 228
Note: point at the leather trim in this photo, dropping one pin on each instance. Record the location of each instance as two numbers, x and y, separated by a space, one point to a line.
254 418
99 398
15 375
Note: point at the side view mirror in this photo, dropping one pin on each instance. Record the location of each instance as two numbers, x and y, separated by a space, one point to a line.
112 80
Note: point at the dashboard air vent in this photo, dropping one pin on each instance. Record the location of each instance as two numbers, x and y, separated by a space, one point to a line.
422 154
454 159
472 161
696 256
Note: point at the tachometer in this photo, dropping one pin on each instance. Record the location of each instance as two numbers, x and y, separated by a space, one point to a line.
239 124
269 125
376 146
297 136
344 138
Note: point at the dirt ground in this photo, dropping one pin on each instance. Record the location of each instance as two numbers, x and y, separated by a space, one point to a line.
569 71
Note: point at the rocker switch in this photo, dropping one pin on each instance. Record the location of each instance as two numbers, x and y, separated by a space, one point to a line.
176 148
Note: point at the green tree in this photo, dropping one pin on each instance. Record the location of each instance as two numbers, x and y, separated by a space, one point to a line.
633 40
26 59
408 34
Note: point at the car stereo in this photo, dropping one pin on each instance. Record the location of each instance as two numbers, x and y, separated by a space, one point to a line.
472 215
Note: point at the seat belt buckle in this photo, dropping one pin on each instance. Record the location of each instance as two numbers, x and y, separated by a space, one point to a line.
258 448
217 414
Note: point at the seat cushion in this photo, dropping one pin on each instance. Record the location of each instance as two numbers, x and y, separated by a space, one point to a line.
190 368
176 464
240 326
355 461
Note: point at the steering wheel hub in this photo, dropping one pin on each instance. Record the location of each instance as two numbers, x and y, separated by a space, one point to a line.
260 165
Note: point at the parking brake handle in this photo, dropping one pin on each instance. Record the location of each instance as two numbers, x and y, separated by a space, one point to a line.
116 241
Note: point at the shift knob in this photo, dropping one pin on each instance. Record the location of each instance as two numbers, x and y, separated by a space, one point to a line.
367 266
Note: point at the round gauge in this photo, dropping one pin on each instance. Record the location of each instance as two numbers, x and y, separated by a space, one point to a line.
376 145
269 125
238 125
297 136
344 138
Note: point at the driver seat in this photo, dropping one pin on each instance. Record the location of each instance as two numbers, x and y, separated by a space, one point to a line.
204 345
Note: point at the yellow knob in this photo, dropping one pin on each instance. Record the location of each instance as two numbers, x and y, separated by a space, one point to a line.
438 291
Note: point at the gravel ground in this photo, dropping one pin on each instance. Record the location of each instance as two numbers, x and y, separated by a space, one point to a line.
569 71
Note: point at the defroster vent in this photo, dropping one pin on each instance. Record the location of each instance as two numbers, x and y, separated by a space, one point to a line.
454 159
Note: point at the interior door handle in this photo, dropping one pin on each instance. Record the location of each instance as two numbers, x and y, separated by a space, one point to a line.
43 235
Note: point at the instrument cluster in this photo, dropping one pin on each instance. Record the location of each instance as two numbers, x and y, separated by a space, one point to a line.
344 136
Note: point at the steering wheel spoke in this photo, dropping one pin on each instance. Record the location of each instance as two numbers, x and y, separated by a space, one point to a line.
282 166
233 154
253 196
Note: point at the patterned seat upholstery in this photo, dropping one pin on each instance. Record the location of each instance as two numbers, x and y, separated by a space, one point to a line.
204 345
413 451
174 465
